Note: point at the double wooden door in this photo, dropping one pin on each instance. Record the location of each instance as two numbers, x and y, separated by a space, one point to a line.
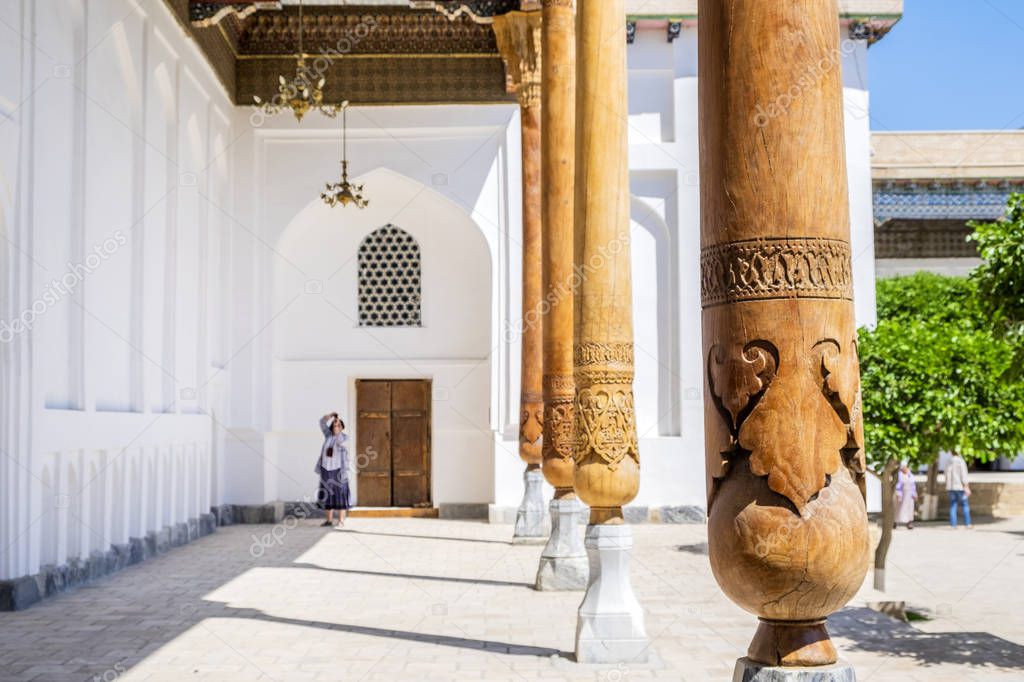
393 442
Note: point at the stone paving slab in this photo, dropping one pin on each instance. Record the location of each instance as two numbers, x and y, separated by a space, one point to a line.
421 599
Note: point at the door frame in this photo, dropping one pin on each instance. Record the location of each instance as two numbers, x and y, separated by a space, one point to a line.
429 437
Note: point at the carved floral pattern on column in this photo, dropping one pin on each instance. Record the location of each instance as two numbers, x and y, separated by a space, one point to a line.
531 419
841 386
779 401
605 414
776 268
559 416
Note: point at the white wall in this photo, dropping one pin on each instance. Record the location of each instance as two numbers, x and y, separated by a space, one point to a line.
114 135
319 349
901 267
450 177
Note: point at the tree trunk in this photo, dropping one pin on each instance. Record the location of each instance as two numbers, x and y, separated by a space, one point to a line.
888 518
929 501
933 477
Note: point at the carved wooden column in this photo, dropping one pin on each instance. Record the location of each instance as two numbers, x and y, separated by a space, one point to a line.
610 627
563 563
519 41
787 523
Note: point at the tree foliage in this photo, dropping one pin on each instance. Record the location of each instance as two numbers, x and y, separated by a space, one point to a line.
1000 277
937 376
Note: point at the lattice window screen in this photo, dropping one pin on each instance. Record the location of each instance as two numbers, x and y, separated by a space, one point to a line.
389 279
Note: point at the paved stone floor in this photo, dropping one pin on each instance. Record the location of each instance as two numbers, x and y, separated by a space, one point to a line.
409 599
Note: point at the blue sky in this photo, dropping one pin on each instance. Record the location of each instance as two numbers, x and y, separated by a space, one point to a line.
950 65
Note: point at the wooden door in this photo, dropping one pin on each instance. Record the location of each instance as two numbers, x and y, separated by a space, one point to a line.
393 443
410 444
373 443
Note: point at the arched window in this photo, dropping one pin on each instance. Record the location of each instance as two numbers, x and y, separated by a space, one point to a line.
389 279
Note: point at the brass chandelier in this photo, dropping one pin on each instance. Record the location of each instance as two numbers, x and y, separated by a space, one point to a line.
344 192
302 93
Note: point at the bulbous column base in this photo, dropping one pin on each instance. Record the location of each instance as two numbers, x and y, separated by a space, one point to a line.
563 563
792 644
531 526
610 628
751 671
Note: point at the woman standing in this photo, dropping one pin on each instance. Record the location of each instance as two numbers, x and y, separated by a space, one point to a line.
906 494
333 466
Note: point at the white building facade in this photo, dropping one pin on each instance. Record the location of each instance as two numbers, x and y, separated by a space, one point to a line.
179 307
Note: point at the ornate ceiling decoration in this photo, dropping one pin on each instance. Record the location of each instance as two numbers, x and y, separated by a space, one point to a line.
480 11
210 13
369 54
870 30
360 31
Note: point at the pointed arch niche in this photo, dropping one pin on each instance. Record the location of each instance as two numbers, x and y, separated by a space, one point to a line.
425 256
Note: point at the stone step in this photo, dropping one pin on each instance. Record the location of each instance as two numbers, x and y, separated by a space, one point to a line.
393 512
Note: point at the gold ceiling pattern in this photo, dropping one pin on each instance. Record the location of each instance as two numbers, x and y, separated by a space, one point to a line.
369 55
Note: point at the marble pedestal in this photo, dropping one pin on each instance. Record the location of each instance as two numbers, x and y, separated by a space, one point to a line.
563 563
530 522
610 628
750 671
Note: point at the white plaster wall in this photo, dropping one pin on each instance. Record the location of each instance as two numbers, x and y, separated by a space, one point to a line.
900 267
320 350
112 136
444 175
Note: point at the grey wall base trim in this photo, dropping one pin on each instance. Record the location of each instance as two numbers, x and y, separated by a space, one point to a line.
21 593
633 514
465 510
234 514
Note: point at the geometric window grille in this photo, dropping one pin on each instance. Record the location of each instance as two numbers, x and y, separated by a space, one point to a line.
389 279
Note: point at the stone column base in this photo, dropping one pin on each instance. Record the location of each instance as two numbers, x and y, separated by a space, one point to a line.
750 671
530 521
563 563
610 628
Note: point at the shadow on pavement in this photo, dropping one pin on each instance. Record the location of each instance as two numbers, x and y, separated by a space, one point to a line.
877 633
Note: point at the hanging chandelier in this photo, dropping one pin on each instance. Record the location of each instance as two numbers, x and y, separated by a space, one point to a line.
302 93
344 192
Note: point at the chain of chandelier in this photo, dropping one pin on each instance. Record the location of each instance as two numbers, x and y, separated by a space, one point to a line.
305 93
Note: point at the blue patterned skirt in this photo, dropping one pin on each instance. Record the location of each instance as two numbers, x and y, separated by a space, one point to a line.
333 493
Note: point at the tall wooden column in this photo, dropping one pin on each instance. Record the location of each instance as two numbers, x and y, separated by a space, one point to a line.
610 627
519 42
563 563
787 523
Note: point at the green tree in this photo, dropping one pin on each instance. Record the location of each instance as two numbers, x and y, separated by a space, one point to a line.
935 377
1000 277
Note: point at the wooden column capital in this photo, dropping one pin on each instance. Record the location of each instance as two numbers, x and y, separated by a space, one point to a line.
519 43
